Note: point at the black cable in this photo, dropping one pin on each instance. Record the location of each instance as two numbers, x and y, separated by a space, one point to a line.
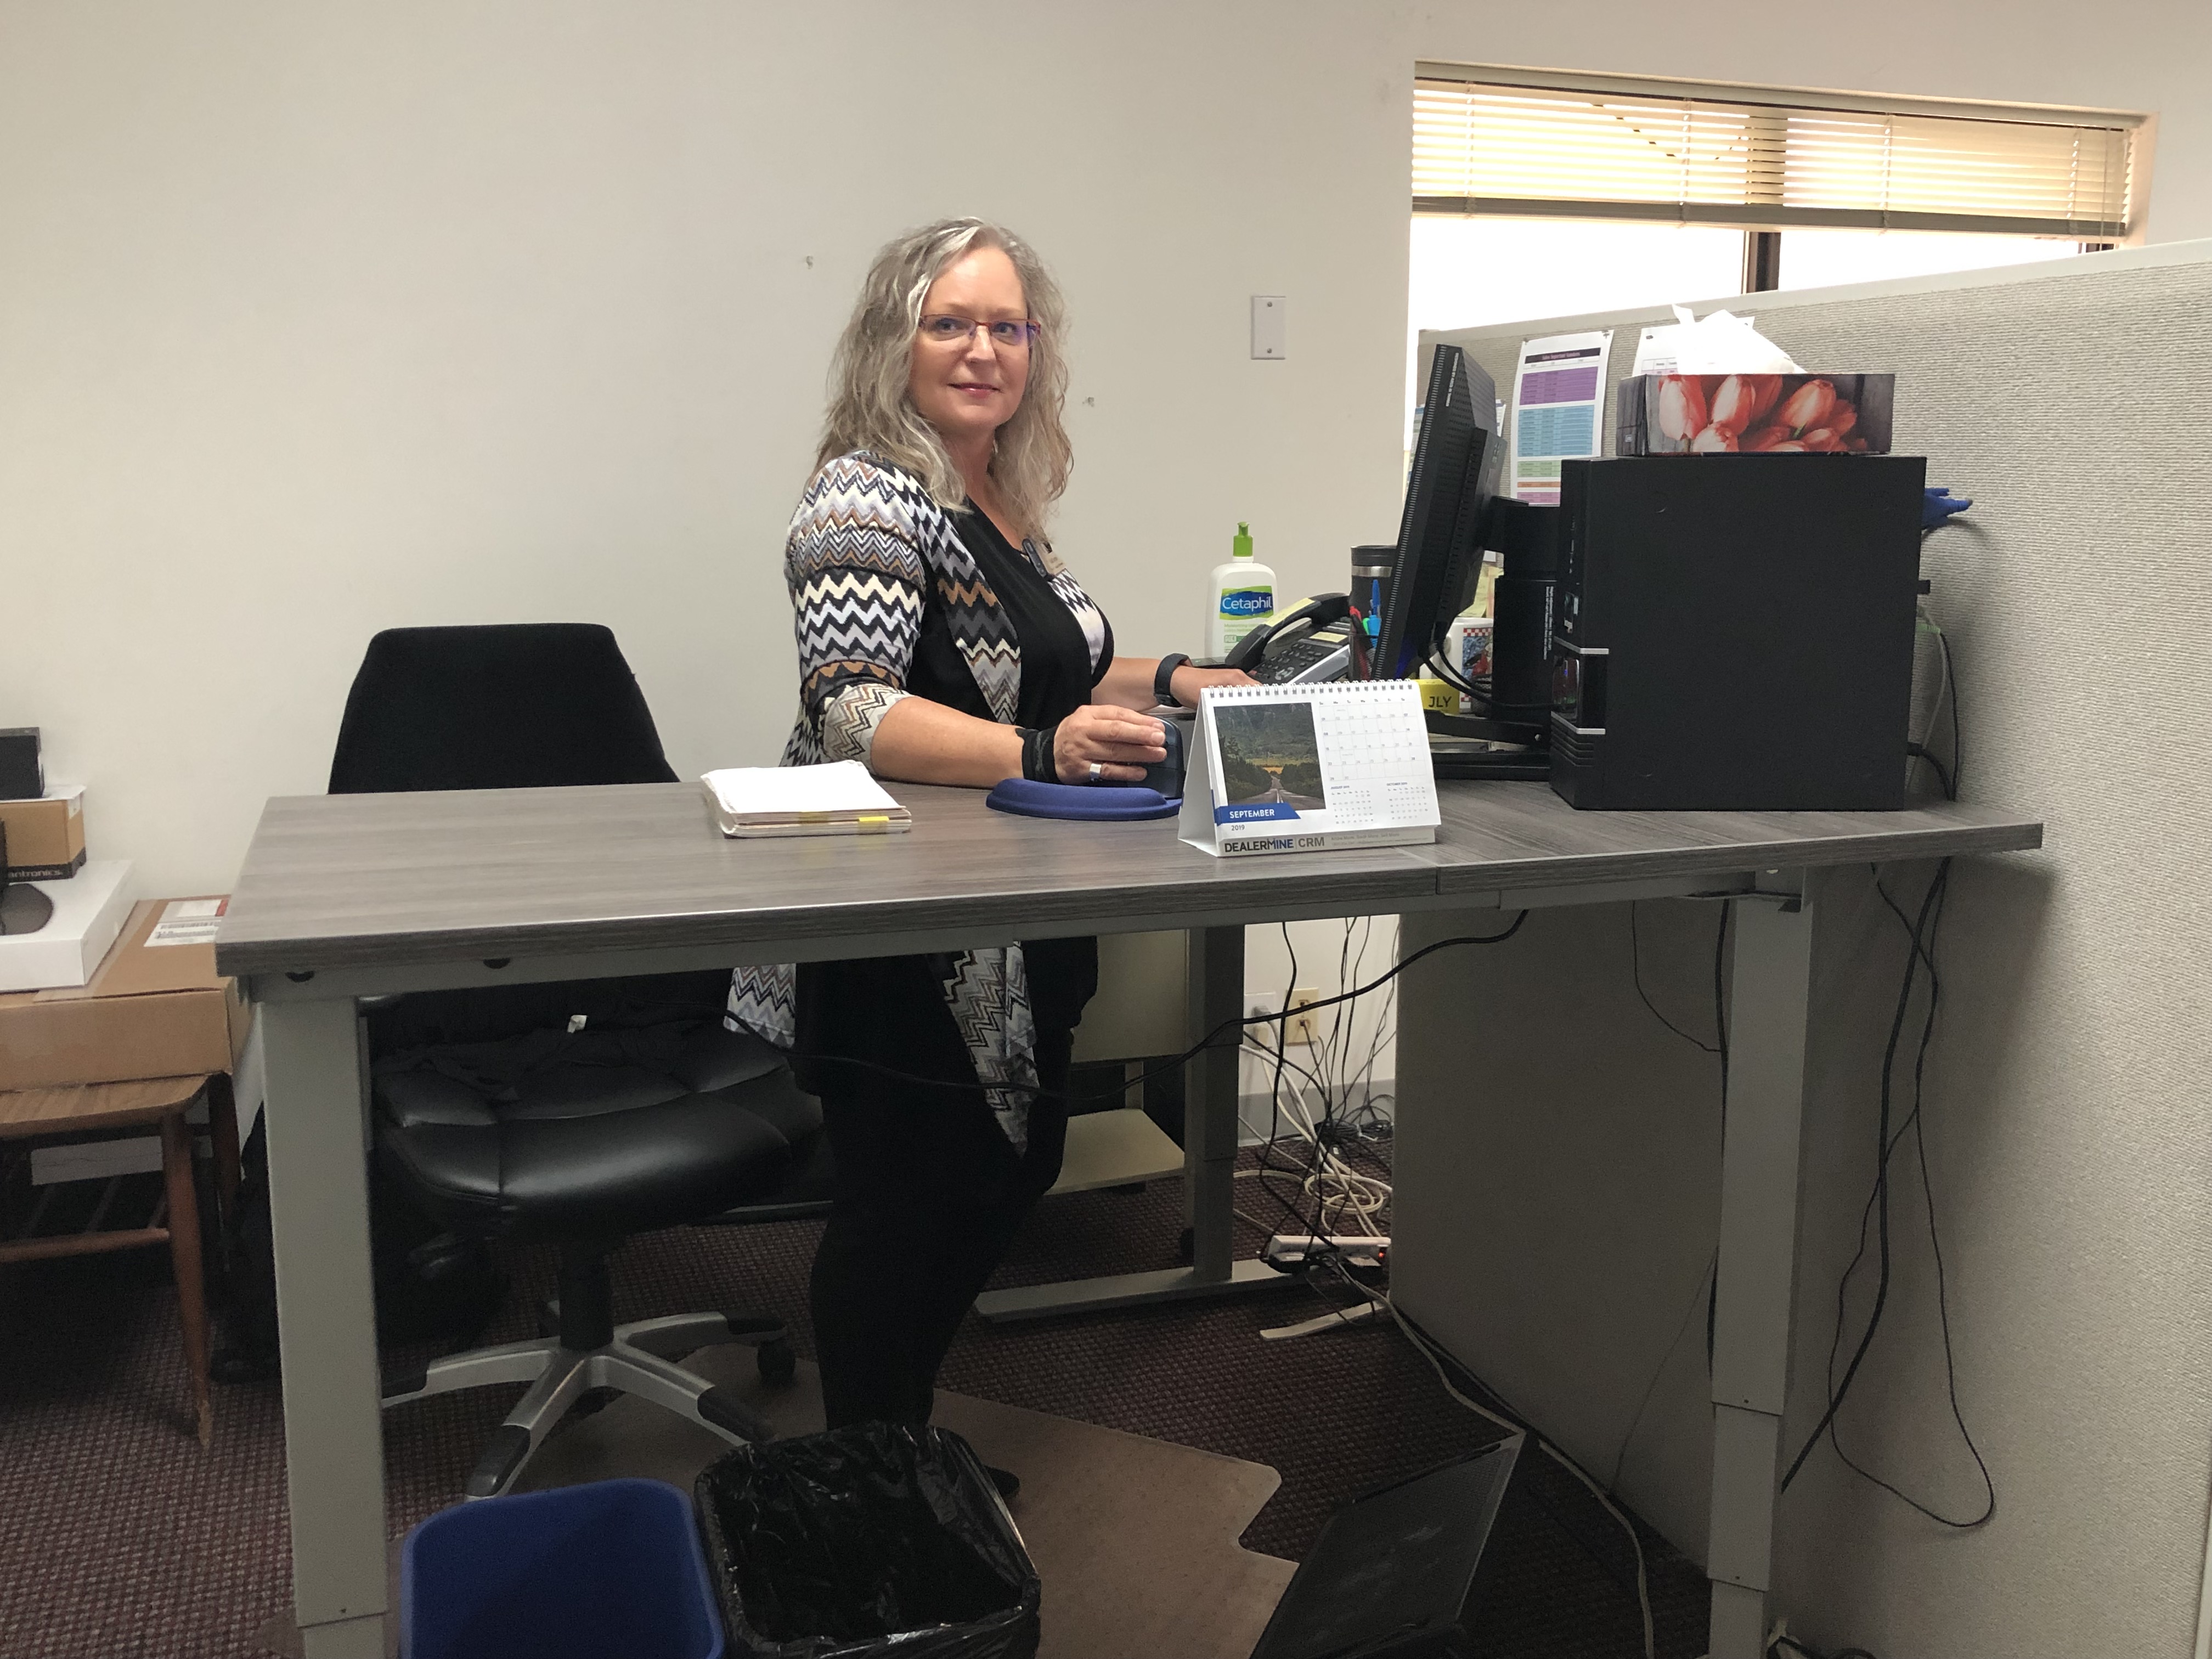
1455 677
1920 936
1299 1222
1636 970
1920 751
1176 1062
1878 1202
1720 1038
1917 1121
1643 1401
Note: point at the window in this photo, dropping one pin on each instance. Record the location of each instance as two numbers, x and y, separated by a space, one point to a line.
1496 141
1537 194
1823 258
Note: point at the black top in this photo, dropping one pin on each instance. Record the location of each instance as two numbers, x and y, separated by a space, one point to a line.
1056 673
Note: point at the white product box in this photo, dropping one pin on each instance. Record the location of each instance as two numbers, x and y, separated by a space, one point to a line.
89 909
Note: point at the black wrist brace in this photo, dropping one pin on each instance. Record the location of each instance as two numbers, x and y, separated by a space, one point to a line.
1038 765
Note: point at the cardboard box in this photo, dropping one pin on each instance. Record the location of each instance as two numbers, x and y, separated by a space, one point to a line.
150 1009
45 835
88 912
1755 414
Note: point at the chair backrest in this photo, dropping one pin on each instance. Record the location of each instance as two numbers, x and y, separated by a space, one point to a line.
519 706
522 706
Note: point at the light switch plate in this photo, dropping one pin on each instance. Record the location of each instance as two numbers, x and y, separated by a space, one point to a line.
1270 339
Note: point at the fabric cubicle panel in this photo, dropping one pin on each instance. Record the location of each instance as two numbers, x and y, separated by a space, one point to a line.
2068 1079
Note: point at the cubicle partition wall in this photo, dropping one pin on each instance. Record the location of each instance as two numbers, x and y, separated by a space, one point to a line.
1558 1169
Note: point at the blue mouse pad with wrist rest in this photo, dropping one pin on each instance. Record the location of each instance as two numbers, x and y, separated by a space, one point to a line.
1094 801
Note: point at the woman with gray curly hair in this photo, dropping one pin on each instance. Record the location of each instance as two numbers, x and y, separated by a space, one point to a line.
941 640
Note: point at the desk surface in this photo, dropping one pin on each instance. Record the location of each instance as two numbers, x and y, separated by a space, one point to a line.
368 881
1500 835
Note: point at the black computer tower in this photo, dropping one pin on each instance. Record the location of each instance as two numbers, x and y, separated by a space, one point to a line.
1734 632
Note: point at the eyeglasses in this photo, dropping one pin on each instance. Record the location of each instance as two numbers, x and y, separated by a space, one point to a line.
1011 334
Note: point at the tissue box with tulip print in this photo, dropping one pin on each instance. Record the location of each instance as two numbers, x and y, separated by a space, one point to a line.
1756 414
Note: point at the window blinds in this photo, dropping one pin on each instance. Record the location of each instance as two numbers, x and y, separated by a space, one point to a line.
1680 154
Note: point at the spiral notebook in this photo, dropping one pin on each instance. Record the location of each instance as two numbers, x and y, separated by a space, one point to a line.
1293 769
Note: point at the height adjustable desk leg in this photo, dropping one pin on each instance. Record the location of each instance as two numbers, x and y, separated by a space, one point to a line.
326 1326
1209 1116
1768 988
1209 1152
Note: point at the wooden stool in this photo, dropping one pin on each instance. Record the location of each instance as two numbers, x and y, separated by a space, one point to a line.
25 1113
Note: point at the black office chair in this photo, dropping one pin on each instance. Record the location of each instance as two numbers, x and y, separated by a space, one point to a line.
578 1112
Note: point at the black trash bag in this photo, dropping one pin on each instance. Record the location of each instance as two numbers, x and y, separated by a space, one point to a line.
877 1539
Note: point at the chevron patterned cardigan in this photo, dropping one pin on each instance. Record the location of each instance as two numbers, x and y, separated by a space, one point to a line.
867 546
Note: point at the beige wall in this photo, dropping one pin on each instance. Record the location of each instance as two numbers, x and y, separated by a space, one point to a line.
315 320
319 320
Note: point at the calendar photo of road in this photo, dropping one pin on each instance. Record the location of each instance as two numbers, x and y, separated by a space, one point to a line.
1269 753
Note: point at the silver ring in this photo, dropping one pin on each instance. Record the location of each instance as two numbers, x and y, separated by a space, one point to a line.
1096 771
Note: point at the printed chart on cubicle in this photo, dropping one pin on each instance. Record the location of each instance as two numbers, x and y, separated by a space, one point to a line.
1291 769
1558 393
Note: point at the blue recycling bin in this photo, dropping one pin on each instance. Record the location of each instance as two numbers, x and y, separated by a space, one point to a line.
613 1570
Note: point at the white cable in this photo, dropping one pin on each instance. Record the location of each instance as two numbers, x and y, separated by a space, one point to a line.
1321 1093
1342 1191
1326 1322
1944 688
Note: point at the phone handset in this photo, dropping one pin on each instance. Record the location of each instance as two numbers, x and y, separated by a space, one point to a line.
1250 651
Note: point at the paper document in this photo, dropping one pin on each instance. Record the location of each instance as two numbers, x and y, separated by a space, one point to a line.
188 922
1558 392
836 797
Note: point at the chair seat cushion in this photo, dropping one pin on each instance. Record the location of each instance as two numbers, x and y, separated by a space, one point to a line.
597 1133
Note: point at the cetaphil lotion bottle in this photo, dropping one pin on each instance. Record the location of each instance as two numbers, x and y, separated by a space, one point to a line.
1243 594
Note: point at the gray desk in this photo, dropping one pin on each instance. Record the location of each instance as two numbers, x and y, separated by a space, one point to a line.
347 897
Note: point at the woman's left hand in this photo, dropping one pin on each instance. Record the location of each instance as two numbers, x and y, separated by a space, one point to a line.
1187 682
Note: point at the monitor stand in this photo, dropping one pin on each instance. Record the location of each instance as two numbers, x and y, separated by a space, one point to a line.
23 908
1463 746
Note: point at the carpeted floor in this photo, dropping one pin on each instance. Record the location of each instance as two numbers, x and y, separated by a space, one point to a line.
120 1539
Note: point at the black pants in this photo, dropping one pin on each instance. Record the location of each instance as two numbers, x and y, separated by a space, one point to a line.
929 1193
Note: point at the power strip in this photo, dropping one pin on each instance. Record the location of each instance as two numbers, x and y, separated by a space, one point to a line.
1288 1252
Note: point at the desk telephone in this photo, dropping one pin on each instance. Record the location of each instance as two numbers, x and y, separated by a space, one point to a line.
1310 645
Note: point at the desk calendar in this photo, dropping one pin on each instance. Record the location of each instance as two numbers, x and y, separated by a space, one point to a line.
1291 768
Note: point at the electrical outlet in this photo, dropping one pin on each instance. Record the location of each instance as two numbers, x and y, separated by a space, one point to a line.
1303 1028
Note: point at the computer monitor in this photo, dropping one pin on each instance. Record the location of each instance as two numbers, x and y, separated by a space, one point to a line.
1457 460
